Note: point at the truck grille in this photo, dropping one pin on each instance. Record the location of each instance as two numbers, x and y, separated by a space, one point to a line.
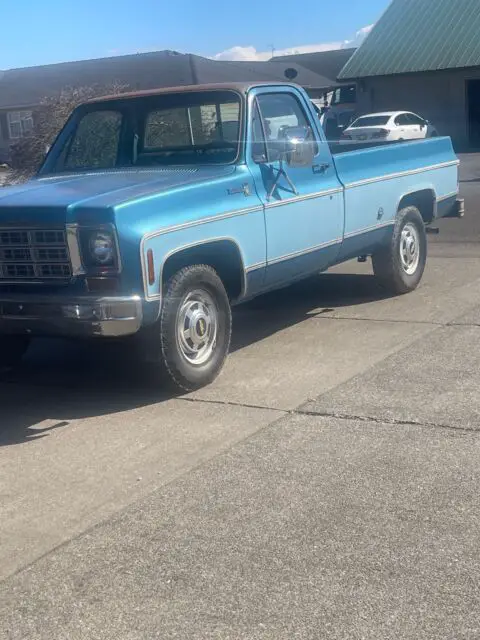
34 254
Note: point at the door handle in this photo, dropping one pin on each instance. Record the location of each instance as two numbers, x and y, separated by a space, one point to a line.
320 168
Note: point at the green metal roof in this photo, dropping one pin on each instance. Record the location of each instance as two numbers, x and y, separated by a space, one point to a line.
419 35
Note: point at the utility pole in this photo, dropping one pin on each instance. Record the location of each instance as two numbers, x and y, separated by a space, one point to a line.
273 49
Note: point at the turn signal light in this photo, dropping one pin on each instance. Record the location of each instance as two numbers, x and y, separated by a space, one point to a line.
150 267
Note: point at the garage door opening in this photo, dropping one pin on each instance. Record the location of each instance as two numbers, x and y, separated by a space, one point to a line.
473 101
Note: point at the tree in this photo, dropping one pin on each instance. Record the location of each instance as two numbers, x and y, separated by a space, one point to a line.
28 153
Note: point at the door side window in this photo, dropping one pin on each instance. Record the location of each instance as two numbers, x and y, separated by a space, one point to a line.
259 147
402 120
416 120
279 112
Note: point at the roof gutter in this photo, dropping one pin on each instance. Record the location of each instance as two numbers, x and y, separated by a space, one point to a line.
19 107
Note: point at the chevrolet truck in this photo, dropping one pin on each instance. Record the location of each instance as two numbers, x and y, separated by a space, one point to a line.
155 212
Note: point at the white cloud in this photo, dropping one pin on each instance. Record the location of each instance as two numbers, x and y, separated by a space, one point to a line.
250 53
359 36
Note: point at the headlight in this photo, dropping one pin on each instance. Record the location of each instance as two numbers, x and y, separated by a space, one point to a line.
102 248
99 250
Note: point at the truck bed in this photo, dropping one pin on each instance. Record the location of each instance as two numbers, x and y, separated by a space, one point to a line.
378 163
377 179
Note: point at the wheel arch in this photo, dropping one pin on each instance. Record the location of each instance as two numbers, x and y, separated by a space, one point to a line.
222 254
424 199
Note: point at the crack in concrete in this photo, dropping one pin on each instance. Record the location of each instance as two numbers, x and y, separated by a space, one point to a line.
230 403
463 324
384 420
439 241
449 256
324 316
336 415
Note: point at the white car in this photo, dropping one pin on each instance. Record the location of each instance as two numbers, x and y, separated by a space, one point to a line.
388 126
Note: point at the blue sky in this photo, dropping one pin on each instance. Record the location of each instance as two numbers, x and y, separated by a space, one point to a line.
47 31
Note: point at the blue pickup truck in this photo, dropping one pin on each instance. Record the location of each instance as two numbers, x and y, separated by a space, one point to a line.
155 212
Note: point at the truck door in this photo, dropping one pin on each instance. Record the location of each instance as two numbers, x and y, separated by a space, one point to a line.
303 205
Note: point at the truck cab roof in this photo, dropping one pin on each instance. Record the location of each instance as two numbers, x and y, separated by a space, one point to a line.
239 87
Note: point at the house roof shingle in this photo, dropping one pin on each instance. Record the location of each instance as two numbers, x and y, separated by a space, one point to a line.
232 71
27 87
325 63
419 35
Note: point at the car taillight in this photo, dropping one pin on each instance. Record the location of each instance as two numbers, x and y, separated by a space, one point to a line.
383 133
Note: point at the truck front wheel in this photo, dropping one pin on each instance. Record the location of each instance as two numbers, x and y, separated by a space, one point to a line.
400 265
195 326
12 350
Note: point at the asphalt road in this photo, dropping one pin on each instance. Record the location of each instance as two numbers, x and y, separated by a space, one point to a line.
326 486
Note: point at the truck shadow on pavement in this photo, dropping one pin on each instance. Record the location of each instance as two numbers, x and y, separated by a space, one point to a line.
61 381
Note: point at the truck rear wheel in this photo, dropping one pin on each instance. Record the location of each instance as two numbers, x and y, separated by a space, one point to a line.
400 266
195 326
12 350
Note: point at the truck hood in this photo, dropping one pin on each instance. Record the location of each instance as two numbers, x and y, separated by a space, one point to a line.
58 199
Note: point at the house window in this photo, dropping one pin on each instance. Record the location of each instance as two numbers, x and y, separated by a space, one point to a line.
20 124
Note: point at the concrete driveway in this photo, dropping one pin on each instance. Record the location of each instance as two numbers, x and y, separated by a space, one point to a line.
326 486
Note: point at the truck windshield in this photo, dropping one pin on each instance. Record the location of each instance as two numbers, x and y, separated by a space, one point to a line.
159 130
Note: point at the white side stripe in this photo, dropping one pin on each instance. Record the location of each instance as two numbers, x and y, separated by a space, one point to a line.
374 227
195 223
297 254
307 196
401 174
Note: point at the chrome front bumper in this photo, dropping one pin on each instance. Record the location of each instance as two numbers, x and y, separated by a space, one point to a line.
78 317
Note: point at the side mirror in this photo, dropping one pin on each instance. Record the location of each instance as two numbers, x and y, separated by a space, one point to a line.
299 149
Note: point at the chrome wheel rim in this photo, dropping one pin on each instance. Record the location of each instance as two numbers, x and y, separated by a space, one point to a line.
410 249
197 326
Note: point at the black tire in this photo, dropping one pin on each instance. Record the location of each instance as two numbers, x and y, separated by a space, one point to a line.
195 280
12 350
388 265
